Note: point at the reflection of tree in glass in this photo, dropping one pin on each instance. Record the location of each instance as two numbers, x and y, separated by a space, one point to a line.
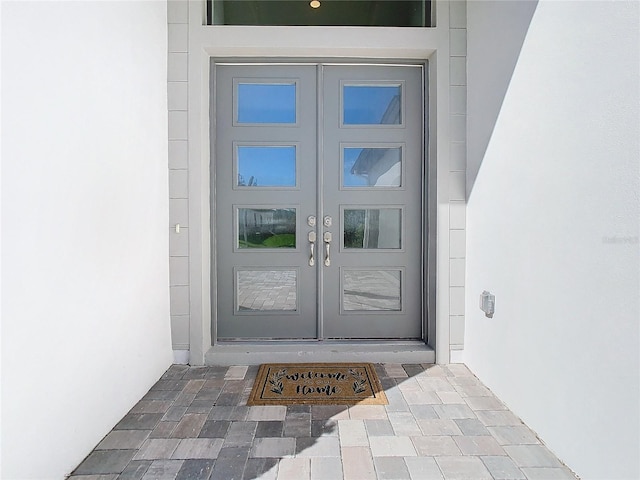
267 228
354 228
253 181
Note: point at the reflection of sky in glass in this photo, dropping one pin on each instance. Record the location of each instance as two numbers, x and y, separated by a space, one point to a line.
267 166
266 103
367 104
350 155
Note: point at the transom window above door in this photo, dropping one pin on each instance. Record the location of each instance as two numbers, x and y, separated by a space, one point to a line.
360 13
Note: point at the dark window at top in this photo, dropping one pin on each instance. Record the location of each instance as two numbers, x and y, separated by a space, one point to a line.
364 13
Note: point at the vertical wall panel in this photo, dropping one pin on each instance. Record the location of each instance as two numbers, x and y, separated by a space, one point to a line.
178 98
457 165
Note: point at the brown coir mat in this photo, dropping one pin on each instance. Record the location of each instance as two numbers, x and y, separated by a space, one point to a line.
317 384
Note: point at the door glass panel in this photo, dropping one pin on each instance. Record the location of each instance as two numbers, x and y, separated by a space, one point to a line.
266 166
266 228
261 290
372 228
371 105
372 167
371 290
266 103
378 13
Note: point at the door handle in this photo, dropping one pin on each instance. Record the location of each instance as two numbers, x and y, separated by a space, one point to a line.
312 246
327 246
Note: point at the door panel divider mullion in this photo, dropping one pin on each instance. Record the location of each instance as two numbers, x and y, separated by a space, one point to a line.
319 192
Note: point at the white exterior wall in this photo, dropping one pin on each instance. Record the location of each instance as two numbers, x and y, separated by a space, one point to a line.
85 313
552 224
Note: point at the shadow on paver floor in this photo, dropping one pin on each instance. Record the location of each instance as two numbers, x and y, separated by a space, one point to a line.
441 423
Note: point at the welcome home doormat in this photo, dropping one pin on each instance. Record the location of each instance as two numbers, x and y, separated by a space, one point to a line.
317 384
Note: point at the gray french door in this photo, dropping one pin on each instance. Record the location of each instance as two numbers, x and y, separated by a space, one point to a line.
318 205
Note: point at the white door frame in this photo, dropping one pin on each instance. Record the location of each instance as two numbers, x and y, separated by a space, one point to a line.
336 43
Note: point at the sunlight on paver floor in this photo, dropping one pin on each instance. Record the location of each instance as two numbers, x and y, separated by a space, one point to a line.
441 423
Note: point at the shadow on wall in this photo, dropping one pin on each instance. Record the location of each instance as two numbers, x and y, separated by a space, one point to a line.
495 33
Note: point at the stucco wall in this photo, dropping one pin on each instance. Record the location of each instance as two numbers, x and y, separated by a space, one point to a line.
552 223
85 312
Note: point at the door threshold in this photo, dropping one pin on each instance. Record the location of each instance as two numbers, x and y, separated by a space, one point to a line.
256 353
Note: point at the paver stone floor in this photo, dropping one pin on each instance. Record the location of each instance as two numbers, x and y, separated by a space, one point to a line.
441 423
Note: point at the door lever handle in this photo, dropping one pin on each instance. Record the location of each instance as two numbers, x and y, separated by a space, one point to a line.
312 246
327 246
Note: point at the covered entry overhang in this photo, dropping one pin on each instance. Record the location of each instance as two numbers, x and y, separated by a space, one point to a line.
339 44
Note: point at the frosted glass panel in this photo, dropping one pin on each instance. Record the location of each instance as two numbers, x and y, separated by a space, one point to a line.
262 290
266 228
266 166
372 105
372 167
371 290
266 103
372 228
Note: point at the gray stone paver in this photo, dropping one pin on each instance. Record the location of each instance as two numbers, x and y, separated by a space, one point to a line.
493 418
111 476
391 468
378 428
547 473
484 403
105 461
352 433
135 470
463 468
453 411
392 447
195 470
367 412
532 456
163 430
326 468
273 447
471 426
441 423
324 428
357 463
396 400
189 426
435 446
423 412
231 463
138 421
513 435
163 470
404 424
479 445
439 427
294 469
123 439
157 449
318 447
262 468
423 468
503 468
197 448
